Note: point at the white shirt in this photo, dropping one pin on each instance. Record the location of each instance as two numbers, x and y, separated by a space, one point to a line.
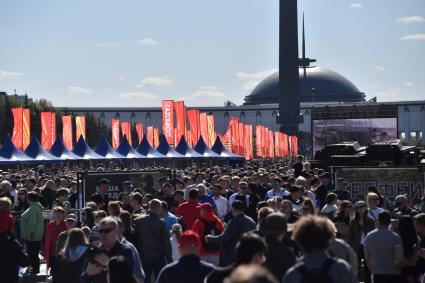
271 193
222 206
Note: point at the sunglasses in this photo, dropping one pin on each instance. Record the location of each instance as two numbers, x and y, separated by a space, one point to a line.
106 230
306 208
361 206
243 188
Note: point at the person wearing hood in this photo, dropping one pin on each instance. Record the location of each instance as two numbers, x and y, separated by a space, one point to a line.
32 229
208 224
72 257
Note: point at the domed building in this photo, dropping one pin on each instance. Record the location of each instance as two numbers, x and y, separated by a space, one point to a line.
316 84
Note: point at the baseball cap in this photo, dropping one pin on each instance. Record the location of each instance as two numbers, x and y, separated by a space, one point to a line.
325 175
71 217
189 238
400 199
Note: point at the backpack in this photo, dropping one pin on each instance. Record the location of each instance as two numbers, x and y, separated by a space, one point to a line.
317 275
210 228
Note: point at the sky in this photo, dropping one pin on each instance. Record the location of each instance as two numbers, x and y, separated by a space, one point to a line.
134 53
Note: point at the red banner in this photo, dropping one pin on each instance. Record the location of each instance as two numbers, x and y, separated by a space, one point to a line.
194 117
241 149
126 131
46 130
278 144
235 134
266 142
293 145
80 127
17 135
155 137
67 131
21 128
168 120
210 130
271 144
258 138
248 142
227 138
26 129
139 130
180 120
285 150
115 133
150 135
203 126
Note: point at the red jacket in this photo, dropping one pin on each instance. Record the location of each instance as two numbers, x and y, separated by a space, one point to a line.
6 221
189 211
50 239
199 227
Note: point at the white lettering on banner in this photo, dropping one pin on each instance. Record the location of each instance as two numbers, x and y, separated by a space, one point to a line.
168 125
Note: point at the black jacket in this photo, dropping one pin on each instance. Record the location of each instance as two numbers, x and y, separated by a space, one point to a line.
11 256
279 257
189 269
153 236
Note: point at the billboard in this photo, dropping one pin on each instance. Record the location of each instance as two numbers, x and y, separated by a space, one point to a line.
395 180
88 181
365 131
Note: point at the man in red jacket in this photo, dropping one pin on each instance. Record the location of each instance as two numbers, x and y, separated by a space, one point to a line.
208 224
189 210
54 228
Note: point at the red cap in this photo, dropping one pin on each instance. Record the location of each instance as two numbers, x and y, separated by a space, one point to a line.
207 206
189 238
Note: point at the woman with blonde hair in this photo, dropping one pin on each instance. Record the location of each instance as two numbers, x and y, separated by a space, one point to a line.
373 206
72 257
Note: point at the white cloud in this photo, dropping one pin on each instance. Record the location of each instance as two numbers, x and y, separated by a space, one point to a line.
410 20
356 5
255 76
156 81
106 44
10 75
380 69
138 94
414 36
148 41
409 84
250 85
206 92
79 90
391 94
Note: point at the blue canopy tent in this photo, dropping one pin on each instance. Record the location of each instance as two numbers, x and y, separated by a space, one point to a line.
105 149
165 149
202 148
10 154
128 151
84 152
38 153
60 151
145 149
184 149
219 148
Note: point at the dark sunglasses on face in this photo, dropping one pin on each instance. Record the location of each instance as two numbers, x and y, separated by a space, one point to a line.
243 188
306 208
106 230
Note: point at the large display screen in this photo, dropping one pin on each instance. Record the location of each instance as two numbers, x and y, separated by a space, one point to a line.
364 131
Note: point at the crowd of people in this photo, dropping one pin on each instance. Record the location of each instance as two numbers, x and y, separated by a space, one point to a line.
271 221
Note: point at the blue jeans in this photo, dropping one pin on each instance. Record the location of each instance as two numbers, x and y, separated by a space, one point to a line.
152 264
